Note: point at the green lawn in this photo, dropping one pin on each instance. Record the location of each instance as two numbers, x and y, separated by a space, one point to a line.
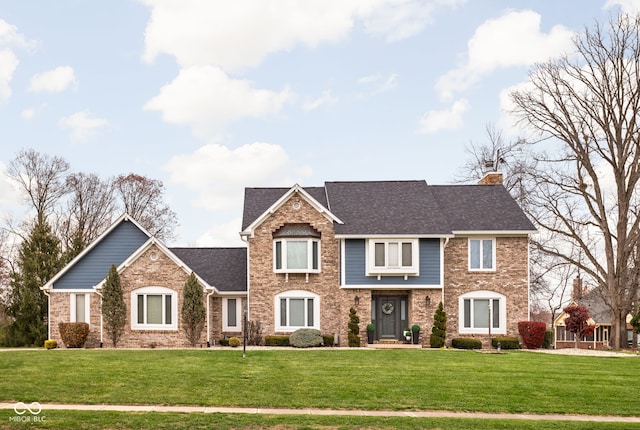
343 379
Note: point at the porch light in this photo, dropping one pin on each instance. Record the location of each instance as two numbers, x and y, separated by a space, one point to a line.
356 300
427 301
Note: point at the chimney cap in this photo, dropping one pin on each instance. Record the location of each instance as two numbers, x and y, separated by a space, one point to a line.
491 178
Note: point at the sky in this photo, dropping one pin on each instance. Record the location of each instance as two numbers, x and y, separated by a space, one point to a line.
214 96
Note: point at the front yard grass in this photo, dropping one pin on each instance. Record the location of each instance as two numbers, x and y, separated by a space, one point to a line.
515 382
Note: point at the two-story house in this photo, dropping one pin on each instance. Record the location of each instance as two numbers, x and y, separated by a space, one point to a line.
391 249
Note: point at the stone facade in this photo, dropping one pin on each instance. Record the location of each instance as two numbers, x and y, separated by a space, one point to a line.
60 303
511 278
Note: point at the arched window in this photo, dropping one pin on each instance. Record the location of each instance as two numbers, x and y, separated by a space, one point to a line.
154 308
296 309
296 249
480 310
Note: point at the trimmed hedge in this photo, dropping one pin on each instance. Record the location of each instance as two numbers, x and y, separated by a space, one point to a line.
532 333
306 338
466 343
74 334
50 344
328 339
276 340
234 342
506 342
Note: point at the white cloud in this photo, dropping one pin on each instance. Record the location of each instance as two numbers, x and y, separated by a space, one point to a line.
9 36
223 235
219 175
8 65
9 191
206 98
628 6
514 39
239 34
380 84
448 119
83 125
54 81
325 99
28 113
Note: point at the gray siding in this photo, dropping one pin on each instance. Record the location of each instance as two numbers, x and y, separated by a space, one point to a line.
355 267
114 248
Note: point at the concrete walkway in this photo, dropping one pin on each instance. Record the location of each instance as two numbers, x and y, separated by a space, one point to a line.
325 412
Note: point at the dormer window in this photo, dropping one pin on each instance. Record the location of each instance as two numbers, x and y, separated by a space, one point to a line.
393 257
296 249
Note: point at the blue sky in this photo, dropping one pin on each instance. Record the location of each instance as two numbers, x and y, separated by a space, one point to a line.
214 96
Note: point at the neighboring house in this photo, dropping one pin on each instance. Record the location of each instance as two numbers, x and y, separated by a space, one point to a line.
600 317
391 249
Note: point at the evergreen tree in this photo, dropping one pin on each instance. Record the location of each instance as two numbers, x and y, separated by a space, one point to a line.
193 310
114 311
354 328
38 261
439 330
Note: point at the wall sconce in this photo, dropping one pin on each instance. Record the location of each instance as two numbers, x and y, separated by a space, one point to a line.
356 300
427 301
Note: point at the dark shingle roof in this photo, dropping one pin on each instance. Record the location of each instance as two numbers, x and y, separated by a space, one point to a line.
404 207
223 268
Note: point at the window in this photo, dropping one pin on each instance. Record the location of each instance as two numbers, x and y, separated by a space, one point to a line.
482 254
399 257
481 309
154 308
232 314
79 307
297 309
296 255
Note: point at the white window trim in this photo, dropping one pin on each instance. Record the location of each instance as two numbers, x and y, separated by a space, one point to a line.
309 268
297 294
483 295
154 291
225 314
72 306
493 257
370 257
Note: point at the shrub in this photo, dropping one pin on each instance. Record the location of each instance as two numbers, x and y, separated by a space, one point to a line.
548 339
74 334
224 342
234 342
276 340
466 343
415 328
506 342
328 339
354 328
532 333
439 330
50 344
306 338
254 333
371 327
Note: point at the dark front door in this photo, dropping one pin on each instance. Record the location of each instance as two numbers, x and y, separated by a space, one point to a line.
391 316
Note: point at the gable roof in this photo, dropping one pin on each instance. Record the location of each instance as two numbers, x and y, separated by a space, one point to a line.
92 265
378 208
225 269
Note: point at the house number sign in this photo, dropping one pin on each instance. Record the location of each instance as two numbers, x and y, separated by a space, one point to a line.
387 308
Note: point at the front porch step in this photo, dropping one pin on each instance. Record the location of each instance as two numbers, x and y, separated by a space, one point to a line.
392 344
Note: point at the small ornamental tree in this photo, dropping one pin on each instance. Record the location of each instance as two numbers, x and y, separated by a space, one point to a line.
354 328
576 322
532 333
193 310
635 323
439 330
114 311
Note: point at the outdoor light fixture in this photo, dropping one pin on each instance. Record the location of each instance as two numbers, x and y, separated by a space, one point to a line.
427 301
356 300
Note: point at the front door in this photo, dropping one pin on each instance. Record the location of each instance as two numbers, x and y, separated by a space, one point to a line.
391 316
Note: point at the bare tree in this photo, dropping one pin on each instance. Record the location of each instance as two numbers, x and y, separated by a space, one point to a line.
588 105
89 211
41 177
142 198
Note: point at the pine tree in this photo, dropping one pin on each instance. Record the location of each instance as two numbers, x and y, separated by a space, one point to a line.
354 328
114 310
193 310
38 261
439 330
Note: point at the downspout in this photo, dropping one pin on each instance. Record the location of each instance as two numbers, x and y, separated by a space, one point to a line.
446 242
98 293
208 318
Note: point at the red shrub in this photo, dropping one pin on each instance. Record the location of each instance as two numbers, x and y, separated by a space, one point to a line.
74 334
532 333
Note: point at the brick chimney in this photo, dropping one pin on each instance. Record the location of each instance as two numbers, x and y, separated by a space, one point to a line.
577 288
491 178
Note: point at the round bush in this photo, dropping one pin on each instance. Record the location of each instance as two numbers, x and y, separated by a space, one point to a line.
234 342
306 338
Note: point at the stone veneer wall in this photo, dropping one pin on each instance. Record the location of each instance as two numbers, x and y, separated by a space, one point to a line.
60 305
264 284
510 278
